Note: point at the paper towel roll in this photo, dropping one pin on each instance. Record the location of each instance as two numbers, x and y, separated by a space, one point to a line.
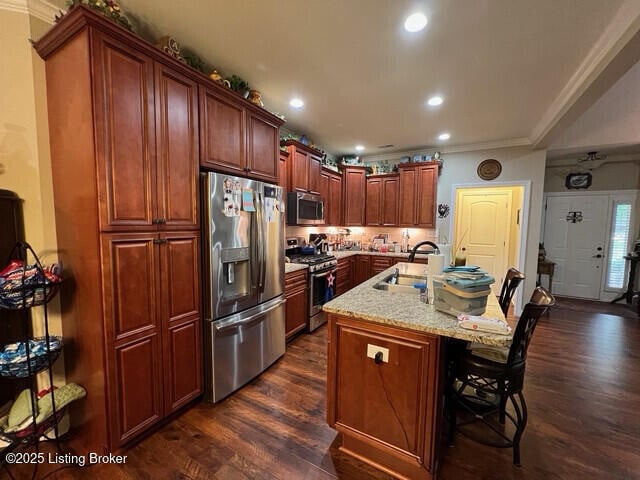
434 268
445 249
436 264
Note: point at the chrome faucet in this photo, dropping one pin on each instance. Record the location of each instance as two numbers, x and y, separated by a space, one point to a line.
412 255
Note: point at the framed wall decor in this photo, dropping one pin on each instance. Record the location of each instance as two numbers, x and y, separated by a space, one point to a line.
489 169
575 181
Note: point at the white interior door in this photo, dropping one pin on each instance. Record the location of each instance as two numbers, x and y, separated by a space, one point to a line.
482 228
577 248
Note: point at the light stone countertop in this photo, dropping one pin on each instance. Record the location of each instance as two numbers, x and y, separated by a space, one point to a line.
294 267
349 253
407 311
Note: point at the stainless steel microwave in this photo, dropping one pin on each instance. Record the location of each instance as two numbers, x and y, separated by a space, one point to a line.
304 209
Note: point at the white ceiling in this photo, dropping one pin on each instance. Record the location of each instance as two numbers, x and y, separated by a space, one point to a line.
499 64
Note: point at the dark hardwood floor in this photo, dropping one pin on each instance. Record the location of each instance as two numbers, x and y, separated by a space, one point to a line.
582 388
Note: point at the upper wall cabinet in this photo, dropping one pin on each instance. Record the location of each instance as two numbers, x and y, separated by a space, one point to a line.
236 137
418 189
353 197
147 150
304 165
382 200
331 192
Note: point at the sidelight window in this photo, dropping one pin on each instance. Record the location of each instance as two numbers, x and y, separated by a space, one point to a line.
620 229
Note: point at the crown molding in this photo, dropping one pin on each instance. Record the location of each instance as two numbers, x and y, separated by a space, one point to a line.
471 147
40 9
594 75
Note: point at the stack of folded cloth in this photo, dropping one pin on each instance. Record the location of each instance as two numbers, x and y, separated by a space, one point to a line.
468 277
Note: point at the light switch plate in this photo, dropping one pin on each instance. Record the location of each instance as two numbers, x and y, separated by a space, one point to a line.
373 349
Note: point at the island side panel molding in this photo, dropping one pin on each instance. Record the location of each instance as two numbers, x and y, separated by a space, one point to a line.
389 419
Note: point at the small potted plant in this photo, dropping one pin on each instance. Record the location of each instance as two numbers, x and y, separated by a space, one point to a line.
239 85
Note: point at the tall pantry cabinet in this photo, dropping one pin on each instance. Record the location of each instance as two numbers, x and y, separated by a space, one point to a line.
124 151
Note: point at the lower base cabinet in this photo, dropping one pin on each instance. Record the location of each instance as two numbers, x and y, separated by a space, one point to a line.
297 294
387 413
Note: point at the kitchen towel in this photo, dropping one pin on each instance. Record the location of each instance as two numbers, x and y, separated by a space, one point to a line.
483 324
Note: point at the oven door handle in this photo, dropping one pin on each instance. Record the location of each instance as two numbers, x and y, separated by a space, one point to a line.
325 274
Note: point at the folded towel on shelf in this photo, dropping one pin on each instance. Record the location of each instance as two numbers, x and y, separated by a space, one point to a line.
462 268
469 282
483 324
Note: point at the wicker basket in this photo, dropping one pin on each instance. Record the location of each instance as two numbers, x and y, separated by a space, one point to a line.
37 360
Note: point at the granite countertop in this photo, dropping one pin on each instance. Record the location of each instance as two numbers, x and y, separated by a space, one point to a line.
294 267
407 311
349 253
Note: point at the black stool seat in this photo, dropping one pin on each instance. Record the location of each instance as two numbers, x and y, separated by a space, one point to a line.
480 388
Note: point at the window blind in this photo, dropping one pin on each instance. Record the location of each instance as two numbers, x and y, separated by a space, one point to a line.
618 245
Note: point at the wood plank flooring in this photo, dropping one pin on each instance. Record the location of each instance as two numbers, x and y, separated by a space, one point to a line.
582 388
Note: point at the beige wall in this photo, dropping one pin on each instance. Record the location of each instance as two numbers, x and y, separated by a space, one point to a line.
518 165
610 176
24 141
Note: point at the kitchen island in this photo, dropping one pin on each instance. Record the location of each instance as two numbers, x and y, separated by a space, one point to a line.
385 374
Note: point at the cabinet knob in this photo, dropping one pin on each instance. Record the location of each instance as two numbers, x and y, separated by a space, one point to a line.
160 241
159 221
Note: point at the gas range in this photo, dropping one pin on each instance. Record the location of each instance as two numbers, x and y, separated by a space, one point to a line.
316 262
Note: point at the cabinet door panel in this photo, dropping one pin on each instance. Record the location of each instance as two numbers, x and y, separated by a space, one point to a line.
177 110
365 400
183 364
335 202
299 170
379 264
138 394
406 216
425 203
282 171
354 196
222 135
314 175
130 288
297 309
263 149
362 269
180 275
374 200
389 201
125 135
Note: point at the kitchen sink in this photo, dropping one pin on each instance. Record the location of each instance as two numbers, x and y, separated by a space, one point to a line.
402 284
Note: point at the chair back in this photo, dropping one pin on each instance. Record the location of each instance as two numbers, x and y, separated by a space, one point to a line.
540 302
511 281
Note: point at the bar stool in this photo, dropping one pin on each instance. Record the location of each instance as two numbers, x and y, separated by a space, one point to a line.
511 281
479 387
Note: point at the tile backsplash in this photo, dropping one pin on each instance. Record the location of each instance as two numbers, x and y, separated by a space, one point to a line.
366 234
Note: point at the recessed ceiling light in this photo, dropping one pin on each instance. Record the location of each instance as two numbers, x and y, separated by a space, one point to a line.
359 148
296 103
444 136
435 101
415 22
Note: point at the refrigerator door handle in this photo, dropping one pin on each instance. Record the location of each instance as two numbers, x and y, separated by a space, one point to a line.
261 240
246 322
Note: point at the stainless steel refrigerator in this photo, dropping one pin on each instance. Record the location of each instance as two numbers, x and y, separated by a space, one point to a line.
243 242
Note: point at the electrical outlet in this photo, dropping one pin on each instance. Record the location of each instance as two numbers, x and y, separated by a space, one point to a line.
373 349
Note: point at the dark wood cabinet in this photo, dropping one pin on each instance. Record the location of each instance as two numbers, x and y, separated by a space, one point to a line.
335 199
331 192
177 149
296 291
237 137
382 200
222 132
124 116
304 165
282 170
379 264
124 134
418 190
263 146
398 431
344 275
354 195
362 271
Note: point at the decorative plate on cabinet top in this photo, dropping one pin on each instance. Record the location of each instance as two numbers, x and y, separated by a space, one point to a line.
489 169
